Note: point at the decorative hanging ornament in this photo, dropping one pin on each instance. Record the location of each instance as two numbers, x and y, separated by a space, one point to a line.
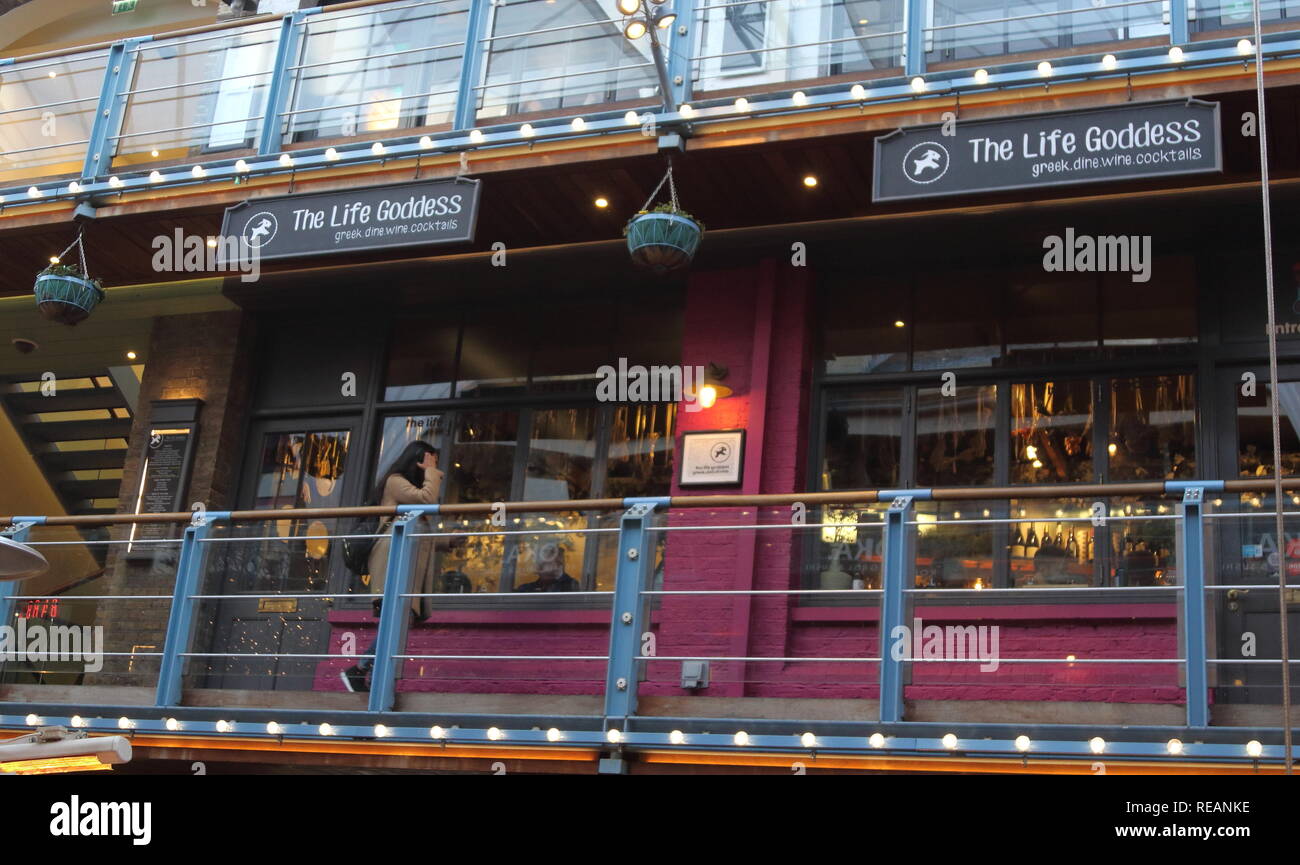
663 240
65 292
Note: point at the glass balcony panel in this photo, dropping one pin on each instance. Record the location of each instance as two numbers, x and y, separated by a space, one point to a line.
47 109
380 70
751 44
976 30
197 98
559 57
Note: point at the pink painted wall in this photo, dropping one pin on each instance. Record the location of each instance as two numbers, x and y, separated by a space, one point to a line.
757 322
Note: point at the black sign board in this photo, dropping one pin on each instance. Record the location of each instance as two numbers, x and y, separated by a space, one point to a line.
356 220
168 457
1130 141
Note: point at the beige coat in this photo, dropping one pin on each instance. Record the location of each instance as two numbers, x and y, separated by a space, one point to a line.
399 491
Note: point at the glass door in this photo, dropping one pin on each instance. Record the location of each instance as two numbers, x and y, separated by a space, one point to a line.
278 575
1245 537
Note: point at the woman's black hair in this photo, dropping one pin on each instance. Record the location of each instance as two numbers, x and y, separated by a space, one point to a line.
407 465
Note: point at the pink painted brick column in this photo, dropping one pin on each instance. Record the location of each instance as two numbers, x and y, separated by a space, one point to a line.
755 322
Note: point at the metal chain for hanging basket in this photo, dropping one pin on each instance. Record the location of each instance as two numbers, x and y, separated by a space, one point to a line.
81 252
672 191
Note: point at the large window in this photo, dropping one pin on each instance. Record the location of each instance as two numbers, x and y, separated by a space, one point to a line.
918 390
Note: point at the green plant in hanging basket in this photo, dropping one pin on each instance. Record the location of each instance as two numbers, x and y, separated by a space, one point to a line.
65 294
664 239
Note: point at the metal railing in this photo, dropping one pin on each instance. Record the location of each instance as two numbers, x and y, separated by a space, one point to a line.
653 628
447 75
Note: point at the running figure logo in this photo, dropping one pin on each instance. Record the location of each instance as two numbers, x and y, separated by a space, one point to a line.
261 229
925 162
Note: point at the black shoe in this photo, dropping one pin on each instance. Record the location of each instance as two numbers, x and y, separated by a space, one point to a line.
354 679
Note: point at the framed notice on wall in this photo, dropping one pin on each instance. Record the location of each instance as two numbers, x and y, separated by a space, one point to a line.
164 472
712 458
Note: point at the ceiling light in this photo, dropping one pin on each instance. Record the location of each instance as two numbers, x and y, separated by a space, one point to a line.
949 741
628 7
1175 55
494 733
78 721
325 730
602 203
858 92
553 735
1109 62
436 732
876 740
154 153
125 723
1174 746
115 182
808 740
155 177
74 187
741 738
212 243
331 154
613 736
799 98
1022 743
899 323
380 731
635 29
377 148
1097 744
742 104
54 259
664 21
1254 748
33 192
677 737
578 124
1245 46
526 130
224 727
241 166
686 110
631 119
476 136
33 720
810 180
426 143
172 724
286 160
981 76
918 84
1045 69
273 728
197 171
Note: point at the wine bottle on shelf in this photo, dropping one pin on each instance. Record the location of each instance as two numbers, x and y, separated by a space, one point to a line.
1017 548
1060 541
1031 543
1087 555
1072 547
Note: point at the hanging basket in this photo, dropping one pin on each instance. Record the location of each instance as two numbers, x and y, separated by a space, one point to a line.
65 298
663 242
63 291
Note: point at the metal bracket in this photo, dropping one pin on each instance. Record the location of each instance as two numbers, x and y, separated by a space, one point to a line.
901 503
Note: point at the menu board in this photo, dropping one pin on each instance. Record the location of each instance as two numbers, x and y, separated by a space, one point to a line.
164 477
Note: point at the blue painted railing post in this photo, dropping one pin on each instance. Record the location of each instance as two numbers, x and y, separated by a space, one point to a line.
914 37
1192 565
893 605
282 77
636 555
471 64
1179 26
180 624
18 532
681 49
111 108
392 615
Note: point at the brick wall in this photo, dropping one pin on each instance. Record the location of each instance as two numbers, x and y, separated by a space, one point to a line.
203 356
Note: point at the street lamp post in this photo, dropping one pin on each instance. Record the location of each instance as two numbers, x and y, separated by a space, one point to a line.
645 17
